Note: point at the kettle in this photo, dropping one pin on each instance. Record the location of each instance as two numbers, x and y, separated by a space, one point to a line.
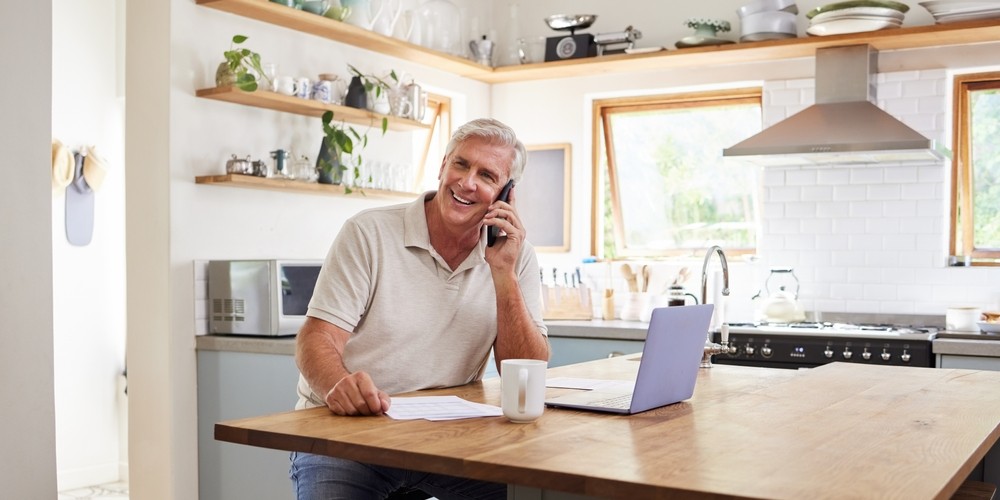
781 306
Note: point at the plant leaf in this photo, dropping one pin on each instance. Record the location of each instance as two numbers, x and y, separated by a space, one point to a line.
385 124
239 38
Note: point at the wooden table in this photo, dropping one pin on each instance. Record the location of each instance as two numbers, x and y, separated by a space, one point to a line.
837 431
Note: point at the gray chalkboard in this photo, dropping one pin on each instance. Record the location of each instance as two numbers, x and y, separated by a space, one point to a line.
543 197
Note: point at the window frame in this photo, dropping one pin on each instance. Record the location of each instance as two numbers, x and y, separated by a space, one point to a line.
962 228
601 134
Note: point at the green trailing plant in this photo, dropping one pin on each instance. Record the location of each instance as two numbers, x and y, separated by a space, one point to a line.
375 86
244 64
340 139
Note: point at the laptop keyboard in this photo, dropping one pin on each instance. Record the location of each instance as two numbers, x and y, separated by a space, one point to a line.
622 402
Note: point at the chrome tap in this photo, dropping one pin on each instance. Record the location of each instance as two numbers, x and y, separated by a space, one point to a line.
711 348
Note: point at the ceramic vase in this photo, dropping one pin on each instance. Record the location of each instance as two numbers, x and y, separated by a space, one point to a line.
356 96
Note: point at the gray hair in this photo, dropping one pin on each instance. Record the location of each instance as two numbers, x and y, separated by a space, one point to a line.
495 132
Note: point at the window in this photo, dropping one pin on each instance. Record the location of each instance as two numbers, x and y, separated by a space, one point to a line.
661 186
975 213
434 143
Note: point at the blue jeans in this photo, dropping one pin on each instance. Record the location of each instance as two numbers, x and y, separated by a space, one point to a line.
319 477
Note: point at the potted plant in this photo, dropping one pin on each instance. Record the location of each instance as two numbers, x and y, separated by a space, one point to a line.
241 67
340 139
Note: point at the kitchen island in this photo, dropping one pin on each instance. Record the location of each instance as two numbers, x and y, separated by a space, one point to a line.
837 431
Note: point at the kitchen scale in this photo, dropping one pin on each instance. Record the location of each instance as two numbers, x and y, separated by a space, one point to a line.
574 46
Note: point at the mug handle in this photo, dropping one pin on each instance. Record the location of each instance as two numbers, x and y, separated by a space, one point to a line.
693 296
522 389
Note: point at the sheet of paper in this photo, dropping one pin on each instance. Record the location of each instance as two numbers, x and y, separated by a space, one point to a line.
439 408
588 383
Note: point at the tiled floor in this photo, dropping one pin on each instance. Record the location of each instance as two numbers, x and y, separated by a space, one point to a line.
110 491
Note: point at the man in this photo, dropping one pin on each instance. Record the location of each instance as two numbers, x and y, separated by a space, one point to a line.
411 297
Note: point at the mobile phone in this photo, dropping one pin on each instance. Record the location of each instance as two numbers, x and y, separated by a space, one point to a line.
493 231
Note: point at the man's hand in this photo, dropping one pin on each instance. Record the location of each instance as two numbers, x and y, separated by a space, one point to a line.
356 394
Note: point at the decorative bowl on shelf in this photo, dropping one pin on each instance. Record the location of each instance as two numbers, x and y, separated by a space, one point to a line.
567 22
705 31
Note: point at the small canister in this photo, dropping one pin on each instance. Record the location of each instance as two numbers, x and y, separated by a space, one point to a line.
418 101
239 166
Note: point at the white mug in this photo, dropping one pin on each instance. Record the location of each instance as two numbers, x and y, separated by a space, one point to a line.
962 319
285 85
522 383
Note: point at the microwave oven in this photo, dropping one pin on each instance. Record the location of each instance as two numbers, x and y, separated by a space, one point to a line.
260 297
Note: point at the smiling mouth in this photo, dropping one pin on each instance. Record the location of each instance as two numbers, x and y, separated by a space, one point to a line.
460 199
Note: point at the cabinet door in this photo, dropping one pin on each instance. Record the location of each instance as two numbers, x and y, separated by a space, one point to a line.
968 362
236 385
569 350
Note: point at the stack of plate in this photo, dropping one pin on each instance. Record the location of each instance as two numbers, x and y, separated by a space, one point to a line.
768 20
953 11
855 16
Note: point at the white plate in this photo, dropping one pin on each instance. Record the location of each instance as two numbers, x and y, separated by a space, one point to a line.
858 11
989 327
643 50
945 7
968 16
841 26
898 22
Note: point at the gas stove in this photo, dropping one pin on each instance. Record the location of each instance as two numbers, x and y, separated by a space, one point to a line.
810 344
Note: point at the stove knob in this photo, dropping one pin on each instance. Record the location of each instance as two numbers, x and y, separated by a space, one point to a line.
765 351
885 355
848 354
905 356
867 355
828 353
749 350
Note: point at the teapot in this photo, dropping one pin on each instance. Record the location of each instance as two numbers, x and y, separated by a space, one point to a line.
781 306
362 13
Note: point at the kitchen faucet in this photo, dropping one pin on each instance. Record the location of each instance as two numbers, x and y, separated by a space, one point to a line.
711 348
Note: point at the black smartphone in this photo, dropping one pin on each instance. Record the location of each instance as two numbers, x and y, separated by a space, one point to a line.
493 231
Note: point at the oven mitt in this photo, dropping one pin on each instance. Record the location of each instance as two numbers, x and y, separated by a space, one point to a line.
62 166
79 206
94 169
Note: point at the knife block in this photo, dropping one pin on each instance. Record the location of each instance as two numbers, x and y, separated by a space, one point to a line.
560 302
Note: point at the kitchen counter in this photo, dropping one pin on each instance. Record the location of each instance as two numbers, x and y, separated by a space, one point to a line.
837 431
968 345
597 329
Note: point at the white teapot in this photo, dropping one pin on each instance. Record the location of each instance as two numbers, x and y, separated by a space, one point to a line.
781 306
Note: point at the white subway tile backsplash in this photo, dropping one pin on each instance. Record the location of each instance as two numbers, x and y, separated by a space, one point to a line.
870 238
899 241
817 193
800 177
900 208
833 177
850 193
866 175
884 192
901 174
918 191
784 193
866 209
920 87
880 292
833 209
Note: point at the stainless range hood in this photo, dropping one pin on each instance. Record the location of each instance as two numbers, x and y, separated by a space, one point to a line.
844 126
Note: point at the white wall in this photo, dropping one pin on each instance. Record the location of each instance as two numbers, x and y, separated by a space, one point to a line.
89 281
27 409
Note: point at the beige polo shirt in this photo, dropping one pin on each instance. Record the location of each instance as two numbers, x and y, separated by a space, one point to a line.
415 323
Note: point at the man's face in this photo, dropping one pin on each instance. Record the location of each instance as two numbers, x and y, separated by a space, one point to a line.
471 179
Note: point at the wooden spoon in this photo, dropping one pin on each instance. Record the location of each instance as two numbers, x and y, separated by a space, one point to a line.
630 278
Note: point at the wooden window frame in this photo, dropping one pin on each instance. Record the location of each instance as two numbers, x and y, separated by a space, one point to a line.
962 237
600 112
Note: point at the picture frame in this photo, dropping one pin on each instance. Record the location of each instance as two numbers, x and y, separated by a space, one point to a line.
543 196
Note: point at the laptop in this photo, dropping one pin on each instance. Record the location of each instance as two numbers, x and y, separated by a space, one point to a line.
668 368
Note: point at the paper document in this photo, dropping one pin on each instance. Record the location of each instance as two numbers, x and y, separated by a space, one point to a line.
589 383
439 408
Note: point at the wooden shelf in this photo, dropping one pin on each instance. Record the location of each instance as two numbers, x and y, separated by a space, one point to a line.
300 20
254 182
289 104
738 53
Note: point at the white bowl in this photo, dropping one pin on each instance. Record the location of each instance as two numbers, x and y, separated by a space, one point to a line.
768 22
989 327
767 6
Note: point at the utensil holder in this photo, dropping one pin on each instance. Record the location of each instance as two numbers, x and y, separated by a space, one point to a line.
566 303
